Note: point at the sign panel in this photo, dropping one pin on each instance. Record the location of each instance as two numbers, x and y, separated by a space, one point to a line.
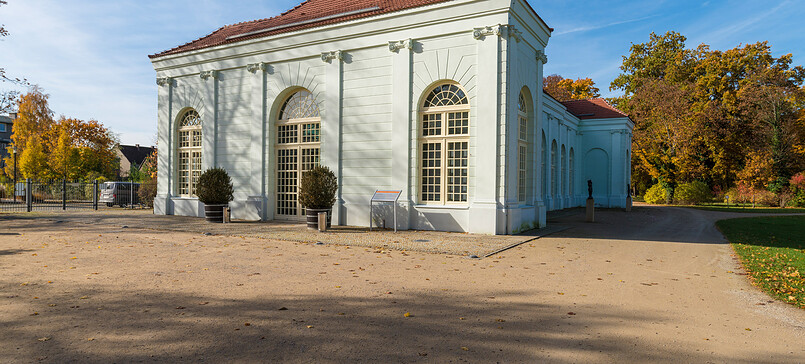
386 196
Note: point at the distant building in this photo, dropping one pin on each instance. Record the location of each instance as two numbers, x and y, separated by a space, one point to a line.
6 123
132 155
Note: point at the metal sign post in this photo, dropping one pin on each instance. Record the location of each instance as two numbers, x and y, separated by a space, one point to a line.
381 196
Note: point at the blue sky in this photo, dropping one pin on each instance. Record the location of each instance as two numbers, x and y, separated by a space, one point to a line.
91 55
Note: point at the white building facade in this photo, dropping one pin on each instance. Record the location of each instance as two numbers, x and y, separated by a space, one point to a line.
440 99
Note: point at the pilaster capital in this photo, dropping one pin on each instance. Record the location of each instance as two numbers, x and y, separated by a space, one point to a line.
206 75
257 67
395 46
483 32
541 57
328 57
165 81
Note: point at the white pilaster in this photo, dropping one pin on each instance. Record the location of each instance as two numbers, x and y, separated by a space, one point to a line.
331 126
402 64
258 201
483 214
162 201
209 129
537 141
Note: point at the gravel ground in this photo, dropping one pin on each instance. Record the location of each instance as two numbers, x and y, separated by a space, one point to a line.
654 285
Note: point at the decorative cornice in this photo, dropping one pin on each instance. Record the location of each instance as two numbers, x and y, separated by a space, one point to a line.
619 131
401 44
330 56
255 67
542 57
481 33
164 81
205 75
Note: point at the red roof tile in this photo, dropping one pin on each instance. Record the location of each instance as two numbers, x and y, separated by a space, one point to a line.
593 109
309 14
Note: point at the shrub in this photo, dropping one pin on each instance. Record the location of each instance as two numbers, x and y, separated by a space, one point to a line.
692 193
148 190
318 187
214 187
797 184
657 194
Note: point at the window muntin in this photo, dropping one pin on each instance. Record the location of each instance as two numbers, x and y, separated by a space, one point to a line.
444 146
189 151
298 149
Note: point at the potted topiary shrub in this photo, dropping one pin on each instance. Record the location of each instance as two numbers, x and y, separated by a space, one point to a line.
317 194
214 190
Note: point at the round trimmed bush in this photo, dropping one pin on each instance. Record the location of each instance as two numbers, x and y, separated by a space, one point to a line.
318 188
657 194
692 193
214 187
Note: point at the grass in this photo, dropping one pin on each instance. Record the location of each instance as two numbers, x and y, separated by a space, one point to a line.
772 250
748 208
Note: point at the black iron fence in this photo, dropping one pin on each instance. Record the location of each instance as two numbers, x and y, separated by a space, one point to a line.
43 195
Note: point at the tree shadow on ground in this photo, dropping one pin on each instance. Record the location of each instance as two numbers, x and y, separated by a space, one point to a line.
104 325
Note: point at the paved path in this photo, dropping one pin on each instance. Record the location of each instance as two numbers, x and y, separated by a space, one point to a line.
655 285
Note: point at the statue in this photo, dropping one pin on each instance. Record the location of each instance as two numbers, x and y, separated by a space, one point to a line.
590 187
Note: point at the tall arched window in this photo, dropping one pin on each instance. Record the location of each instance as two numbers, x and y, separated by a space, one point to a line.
543 166
444 134
554 174
522 148
572 172
564 170
188 152
298 143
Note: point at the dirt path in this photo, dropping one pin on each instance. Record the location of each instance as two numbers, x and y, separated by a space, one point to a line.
656 285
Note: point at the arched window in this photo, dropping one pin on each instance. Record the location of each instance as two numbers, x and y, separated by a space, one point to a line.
522 148
543 166
444 134
564 170
298 149
554 174
188 152
572 169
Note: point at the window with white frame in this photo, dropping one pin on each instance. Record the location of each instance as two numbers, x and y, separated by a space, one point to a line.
444 134
189 153
543 168
522 148
298 149
572 173
554 174
564 171
3 128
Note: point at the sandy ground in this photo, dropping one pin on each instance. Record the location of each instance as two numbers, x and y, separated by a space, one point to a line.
655 285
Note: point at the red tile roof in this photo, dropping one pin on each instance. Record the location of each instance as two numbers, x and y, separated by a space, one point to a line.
309 14
593 109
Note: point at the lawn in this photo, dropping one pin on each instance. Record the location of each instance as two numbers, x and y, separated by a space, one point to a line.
772 249
748 208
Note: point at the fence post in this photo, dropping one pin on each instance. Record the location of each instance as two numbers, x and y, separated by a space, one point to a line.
64 194
95 195
29 196
131 195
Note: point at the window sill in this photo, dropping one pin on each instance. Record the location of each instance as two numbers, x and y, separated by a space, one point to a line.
442 207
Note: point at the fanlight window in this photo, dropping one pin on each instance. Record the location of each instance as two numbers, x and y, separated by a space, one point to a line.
301 105
190 118
521 105
446 95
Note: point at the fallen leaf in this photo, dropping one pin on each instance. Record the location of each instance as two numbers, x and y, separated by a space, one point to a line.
571 313
465 348
407 314
309 326
43 339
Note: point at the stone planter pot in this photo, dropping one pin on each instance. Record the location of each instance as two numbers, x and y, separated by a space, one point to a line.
313 217
214 213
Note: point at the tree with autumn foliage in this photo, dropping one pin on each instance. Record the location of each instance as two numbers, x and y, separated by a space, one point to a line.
565 89
64 149
715 116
